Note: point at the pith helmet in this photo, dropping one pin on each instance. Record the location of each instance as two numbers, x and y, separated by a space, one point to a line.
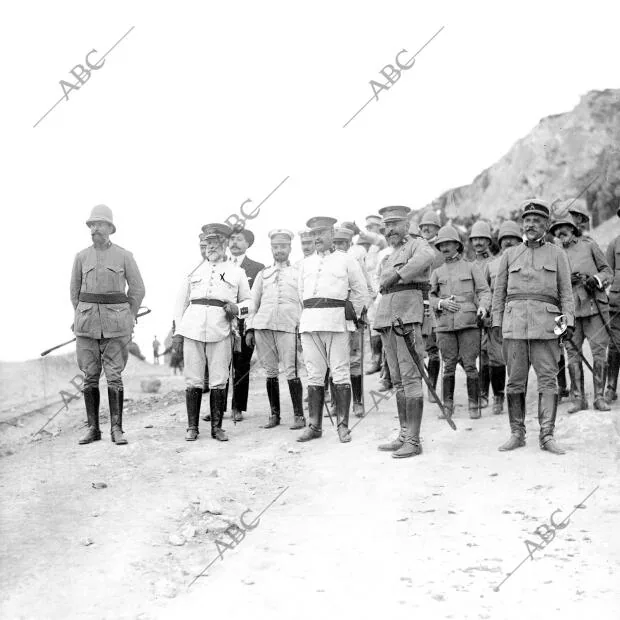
578 206
565 221
447 233
430 218
509 229
481 229
101 213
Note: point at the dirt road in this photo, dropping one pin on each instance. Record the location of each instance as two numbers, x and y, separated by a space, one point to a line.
354 532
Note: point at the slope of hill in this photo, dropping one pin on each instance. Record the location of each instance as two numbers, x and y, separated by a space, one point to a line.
556 160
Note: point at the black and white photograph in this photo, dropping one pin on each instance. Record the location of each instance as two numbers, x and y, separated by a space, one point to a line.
311 310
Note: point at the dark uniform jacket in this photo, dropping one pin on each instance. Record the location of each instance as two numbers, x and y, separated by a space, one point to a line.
105 271
613 260
465 281
251 268
539 275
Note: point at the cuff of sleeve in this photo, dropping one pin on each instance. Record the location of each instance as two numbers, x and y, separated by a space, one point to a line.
439 305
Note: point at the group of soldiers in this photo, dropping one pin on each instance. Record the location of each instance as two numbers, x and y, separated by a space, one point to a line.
544 290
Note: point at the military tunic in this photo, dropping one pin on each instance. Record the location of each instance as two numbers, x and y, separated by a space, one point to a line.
613 259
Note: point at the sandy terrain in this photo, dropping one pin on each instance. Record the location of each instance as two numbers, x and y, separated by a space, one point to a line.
355 533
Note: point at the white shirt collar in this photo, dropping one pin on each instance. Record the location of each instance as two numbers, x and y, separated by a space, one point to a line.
237 260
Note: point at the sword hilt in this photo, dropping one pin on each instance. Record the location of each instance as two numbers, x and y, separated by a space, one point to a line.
399 328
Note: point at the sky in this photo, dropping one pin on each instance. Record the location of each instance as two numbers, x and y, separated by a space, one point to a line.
204 105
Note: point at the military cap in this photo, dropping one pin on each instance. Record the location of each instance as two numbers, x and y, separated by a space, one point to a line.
509 229
430 218
481 229
305 234
394 213
343 234
203 238
281 234
373 219
214 230
565 221
447 233
101 213
534 206
321 222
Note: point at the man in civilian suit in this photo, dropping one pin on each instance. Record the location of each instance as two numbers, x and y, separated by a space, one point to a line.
238 244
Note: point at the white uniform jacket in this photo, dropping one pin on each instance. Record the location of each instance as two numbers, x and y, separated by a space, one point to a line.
223 281
276 299
334 275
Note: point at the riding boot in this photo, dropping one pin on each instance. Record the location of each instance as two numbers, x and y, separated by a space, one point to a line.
193 398
316 400
342 393
564 391
473 396
448 396
483 386
575 371
599 386
115 400
91 402
296 390
401 405
516 419
613 365
498 382
547 410
433 373
356 388
273 394
411 445
217 402
375 360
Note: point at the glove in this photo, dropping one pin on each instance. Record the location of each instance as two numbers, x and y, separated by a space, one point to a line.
591 284
568 334
497 332
575 278
250 341
231 310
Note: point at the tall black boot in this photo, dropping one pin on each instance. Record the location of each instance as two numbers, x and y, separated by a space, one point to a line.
342 393
483 386
564 392
217 401
599 386
473 396
356 388
498 383
516 418
613 365
448 396
401 405
547 410
193 399
316 400
297 397
273 393
375 360
434 366
412 446
115 400
575 370
91 402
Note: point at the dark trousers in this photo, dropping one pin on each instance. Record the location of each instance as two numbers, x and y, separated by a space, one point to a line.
241 372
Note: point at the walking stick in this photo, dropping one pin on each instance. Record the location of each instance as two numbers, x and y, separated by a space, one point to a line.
409 336
58 346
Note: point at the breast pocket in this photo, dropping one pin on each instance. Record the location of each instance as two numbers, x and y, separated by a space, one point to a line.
196 286
549 278
89 280
115 278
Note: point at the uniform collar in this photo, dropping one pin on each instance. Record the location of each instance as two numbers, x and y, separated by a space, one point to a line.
454 259
483 255
107 246
535 244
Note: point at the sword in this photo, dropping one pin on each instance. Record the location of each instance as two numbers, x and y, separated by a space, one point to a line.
560 330
58 346
409 336
296 345
363 324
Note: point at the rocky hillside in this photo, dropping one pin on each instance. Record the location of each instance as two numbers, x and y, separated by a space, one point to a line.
556 160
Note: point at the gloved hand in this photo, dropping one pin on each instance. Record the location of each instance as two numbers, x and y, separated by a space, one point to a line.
232 310
177 344
481 313
250 341
575 278
591 284
568 334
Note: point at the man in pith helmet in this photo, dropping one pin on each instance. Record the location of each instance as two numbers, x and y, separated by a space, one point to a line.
106 293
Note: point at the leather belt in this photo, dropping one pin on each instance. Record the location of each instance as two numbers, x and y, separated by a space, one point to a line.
104 298
425 287
548 299
206 301
324 302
